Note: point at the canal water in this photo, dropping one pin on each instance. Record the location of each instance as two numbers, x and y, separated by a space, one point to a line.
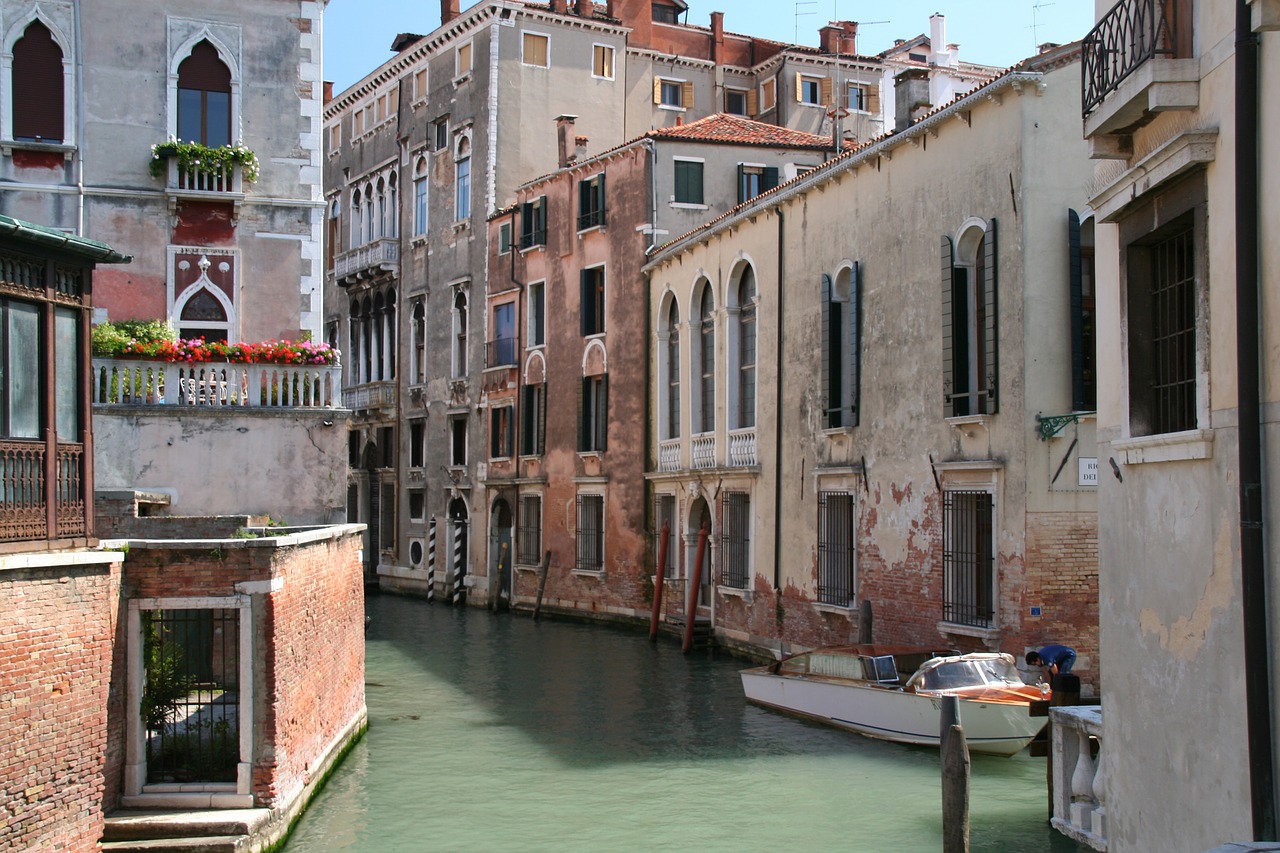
498 733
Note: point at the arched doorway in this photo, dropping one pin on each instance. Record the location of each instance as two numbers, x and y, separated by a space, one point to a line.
500 553
458 548
699 517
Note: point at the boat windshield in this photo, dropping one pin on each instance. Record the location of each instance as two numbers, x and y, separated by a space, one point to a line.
996 672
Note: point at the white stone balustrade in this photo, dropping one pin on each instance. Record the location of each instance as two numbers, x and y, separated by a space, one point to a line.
380 254
742 448
216 384
704 450
669 455
1079 781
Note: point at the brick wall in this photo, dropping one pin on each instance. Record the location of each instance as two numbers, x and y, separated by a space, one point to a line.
57 630
308 638
1062 578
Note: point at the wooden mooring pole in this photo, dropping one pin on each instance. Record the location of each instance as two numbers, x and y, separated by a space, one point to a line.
660 577
864 621
691 601
542 583
502 564
955 779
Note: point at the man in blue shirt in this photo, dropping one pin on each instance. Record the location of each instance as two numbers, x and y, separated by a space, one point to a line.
1054 659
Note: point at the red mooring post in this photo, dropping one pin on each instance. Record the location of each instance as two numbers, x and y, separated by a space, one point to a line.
659 581
691 602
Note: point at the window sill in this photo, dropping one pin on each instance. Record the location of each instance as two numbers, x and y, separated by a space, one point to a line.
590 454
1170 447
461 225
418 241
536 247
957 630
965 422
835 609
11 145
812 104
838 432
688 205
672 107
735 592
461 78
589 229
598 574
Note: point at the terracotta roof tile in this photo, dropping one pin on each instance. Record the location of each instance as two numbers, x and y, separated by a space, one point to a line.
739 130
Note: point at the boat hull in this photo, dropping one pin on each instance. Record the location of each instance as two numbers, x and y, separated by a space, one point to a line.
888 713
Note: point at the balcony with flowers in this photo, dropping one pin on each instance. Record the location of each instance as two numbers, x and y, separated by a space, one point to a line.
159 369
195 172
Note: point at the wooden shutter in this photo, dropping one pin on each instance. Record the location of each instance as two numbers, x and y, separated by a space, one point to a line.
657 90
827 289
948 324
990 300
600 199
1077 311
526 225
742 183
586 302
873 99
528 415
799 88
753 102
582 414
541 396
770 178
855 343
584 201
602 408
827 93
686 94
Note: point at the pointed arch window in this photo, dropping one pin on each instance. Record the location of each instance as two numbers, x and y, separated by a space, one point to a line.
460 334
462 199
38 102
204 97
841 348
706 365
743 351
671 422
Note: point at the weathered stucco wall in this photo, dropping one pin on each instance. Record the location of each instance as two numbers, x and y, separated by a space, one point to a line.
1171 609
291 466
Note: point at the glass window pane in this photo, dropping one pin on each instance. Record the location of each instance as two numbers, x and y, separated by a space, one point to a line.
189 115
67 349
217 119
24 370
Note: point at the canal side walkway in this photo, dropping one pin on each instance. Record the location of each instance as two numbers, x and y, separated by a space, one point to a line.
229 831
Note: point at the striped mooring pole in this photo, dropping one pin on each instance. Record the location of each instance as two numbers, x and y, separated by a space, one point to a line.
458 566
431 562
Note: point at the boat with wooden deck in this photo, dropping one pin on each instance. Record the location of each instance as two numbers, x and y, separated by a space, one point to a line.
861 688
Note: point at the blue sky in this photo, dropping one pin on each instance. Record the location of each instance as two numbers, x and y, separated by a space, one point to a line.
358 33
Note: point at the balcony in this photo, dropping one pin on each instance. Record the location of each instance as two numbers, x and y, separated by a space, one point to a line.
1079 779
25 494
704 450
742 448
213 385
371 259
669 455
500 352
372 395
217 182
1136 62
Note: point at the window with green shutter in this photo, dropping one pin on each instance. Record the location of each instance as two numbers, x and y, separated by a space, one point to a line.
688 189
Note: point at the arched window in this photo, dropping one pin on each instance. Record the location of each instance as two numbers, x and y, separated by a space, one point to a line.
367 213
355 345
380 211
202 315
706 364
462 198
204 98
38 108
420 197
969 311
671 422
746 350
419 342
460 334
389 336
366 337
378 355
392 228
841 348
357 217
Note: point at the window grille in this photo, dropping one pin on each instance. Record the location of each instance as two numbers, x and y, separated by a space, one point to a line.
590 533
736 539
967 559
837 540
529 545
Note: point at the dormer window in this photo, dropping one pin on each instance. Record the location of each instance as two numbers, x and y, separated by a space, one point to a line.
666 13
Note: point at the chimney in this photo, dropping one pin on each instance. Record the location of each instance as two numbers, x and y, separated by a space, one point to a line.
938 37
328 91
449 9
911 97
580 147
586 8
829 39
849 37
560 6
566 141
717 37
608 8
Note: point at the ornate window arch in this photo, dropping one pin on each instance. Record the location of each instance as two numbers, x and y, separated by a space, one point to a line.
204 43
46 100
969 313
703 327
462 177
669 367
740 304
203 310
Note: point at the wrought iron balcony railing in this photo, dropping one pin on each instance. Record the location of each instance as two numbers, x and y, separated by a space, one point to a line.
501 352
1132 33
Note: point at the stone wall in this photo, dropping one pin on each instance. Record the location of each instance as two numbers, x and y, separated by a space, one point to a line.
57 631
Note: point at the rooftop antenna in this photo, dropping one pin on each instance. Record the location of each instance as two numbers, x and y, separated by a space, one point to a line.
800 15
1035 24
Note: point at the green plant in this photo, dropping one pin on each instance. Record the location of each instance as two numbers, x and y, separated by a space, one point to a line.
166 683
111 339
190 154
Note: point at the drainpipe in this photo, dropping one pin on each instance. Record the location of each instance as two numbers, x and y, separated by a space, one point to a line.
517 412
777 418
1253 569
78 95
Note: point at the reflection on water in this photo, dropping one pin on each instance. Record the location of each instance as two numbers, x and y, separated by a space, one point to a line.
498 733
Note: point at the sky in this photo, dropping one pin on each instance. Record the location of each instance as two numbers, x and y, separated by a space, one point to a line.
358 33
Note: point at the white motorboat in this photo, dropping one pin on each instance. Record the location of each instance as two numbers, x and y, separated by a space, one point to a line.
860 688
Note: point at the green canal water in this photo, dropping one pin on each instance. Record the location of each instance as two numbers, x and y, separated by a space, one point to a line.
498 733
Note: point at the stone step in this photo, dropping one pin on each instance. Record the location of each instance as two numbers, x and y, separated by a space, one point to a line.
146 825
196 844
